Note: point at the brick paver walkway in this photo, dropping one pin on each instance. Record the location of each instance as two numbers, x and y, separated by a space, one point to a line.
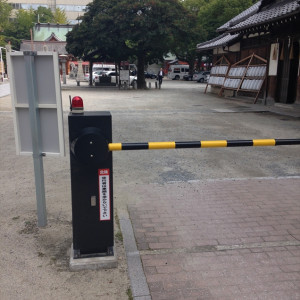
228 239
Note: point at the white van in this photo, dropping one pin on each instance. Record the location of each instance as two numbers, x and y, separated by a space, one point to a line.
103 67
177 72
110 78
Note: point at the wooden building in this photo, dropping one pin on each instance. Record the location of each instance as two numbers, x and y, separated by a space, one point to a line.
50 37
270 30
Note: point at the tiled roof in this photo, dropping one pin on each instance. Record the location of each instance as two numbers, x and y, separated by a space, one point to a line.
241 17
41 31
275 13
59 47
222 40
262 12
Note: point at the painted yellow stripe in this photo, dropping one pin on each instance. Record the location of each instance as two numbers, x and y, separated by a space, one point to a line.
114 146
211 144
161 145
262 142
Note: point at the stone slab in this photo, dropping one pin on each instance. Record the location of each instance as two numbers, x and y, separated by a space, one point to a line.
92 263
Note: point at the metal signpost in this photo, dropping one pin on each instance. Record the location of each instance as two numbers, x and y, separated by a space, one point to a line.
37 110
35 126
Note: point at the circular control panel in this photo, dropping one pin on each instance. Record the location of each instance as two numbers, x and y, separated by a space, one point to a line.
90 147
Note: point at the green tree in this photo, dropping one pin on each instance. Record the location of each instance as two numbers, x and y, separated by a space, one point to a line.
146 29
194 5
97 37
96 34
213 14
43 15
59 16
20 27
185 47
5 11
151 28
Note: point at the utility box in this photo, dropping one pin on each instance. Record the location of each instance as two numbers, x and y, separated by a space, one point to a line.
91 183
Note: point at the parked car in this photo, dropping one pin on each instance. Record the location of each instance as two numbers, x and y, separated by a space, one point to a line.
111 78
150 75
188 77
97 74
201 76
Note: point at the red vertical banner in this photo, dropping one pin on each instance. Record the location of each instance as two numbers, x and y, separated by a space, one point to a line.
104 194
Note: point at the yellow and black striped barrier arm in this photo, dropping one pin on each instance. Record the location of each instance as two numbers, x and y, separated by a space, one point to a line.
202 144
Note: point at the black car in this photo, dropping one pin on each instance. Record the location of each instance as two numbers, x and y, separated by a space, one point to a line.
150 75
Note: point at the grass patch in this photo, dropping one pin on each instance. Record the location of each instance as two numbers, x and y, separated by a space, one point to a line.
119 236
30 227
117 219
129 294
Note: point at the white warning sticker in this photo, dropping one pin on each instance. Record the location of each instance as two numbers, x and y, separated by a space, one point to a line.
104 194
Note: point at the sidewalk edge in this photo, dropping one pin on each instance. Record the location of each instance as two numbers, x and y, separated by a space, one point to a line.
138 282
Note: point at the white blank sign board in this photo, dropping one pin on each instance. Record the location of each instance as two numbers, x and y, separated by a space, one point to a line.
124 75
49 104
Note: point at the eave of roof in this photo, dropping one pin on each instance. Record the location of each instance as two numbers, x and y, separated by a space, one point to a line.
223 40
259 17
59 47
279 12
53 36
241 17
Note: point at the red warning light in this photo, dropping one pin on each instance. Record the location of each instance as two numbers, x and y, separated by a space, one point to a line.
77 105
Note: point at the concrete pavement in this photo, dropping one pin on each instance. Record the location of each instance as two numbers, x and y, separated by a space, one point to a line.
4 88
292 110
278 108
215 239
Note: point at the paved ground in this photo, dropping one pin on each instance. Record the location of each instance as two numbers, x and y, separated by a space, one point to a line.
4 88
226 239
196 224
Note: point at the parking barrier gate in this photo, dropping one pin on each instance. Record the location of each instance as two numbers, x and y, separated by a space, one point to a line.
202 144
91 147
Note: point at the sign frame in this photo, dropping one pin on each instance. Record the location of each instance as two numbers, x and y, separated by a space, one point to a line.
48 102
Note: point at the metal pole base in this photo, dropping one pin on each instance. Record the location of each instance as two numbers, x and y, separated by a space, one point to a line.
93 262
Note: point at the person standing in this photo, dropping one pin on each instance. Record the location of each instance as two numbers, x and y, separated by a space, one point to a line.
160 76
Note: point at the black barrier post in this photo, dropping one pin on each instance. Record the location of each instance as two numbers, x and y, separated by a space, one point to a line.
91 184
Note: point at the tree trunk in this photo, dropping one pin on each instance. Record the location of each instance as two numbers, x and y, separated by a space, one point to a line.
119 71
191 67
117 68
141 83
91 72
